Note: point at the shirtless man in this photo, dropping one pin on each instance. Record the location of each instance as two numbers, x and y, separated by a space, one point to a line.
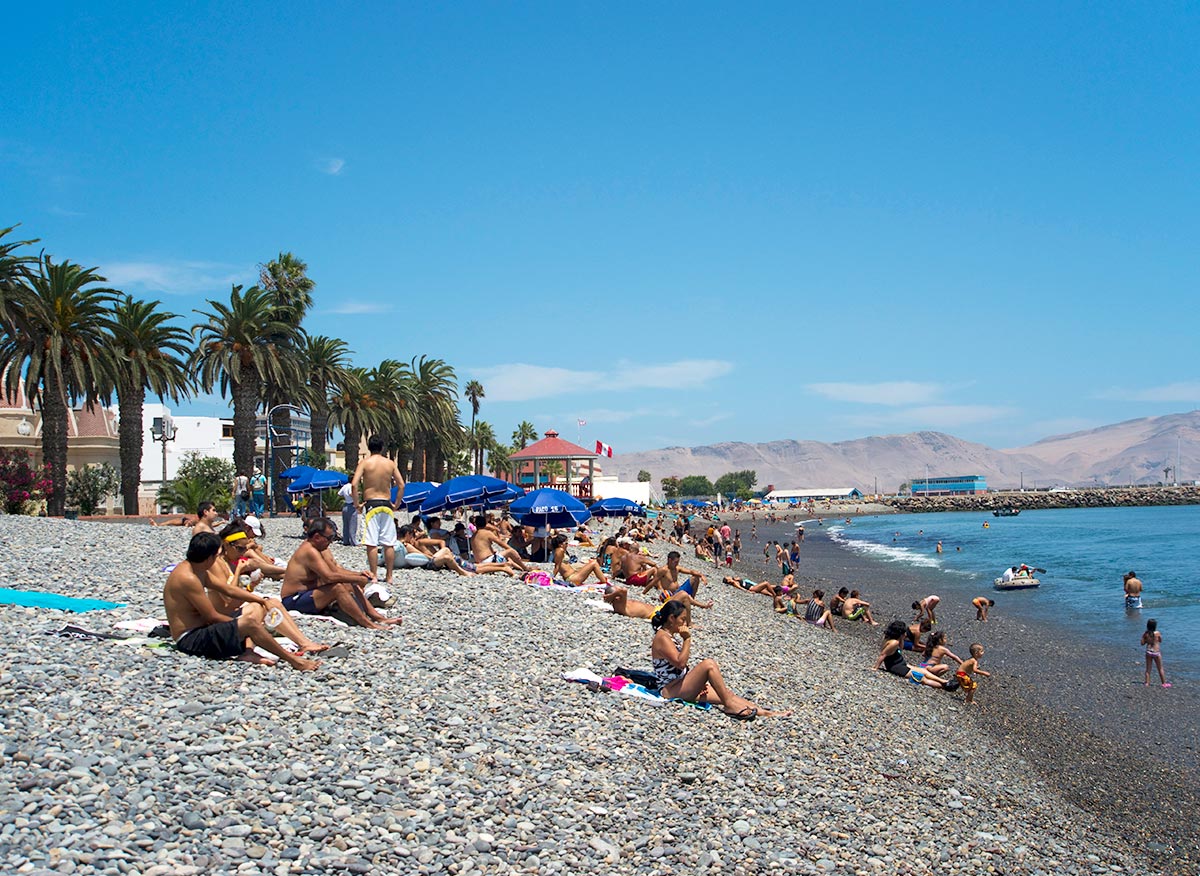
855 608
666 579
314 584
489 549
636 569
377 475
1133 590
207 514
230 597
199 629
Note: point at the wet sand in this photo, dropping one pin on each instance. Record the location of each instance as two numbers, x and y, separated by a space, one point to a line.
1124 752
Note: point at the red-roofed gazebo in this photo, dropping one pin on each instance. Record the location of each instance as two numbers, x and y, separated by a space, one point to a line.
553 448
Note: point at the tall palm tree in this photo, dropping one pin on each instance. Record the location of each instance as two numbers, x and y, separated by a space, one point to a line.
391 384
149 353
241 346
354 409
523 435
434 391
62 351
484 440
325 361
474 392
286 278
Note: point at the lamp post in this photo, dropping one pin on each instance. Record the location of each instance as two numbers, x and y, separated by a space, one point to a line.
163 429
271 455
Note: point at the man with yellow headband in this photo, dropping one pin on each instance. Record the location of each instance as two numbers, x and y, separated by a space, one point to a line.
229 596
377 474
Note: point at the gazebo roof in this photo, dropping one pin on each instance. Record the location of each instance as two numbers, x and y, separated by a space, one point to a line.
552 447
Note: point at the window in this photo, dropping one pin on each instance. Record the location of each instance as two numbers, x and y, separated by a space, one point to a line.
227 430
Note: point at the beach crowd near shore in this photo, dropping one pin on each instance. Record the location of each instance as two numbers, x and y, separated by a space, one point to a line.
450 741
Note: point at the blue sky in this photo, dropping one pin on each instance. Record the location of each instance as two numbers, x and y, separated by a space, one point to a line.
683 223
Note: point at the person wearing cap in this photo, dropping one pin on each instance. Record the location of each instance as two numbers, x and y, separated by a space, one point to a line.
258 492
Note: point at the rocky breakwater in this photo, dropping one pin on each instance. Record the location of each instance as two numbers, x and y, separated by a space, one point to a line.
1106 497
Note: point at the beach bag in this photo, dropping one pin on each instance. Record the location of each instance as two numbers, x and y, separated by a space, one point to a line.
537 578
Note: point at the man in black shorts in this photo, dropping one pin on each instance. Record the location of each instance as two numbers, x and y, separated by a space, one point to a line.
201 630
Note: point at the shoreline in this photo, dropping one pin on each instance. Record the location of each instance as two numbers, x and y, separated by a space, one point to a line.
1127 758
452 742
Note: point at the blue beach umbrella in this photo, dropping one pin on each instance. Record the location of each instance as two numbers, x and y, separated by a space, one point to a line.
549 507
512 493
328 480
296 471
415 492
460 491
617 507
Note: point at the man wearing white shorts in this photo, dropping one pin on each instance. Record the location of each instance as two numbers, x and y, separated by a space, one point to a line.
377 474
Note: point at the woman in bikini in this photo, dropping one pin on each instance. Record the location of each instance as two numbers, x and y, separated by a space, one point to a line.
1152 641
567 572
891 658
700 684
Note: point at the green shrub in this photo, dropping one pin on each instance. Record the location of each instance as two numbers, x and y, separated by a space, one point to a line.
88 487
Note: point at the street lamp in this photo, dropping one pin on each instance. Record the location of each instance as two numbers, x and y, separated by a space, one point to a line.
163 429
271 455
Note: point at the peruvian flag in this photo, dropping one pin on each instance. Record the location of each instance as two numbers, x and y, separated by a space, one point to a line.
603 449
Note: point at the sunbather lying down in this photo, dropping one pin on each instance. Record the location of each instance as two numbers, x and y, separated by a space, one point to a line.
702 683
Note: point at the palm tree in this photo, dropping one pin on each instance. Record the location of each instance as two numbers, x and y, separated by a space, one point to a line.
241 346
391 384
523 434
474 392
149 354
325 362
434 392
62 351
14 278
286 278
354 409
498 462
485 439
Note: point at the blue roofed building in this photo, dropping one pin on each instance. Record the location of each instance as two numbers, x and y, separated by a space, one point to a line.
957 485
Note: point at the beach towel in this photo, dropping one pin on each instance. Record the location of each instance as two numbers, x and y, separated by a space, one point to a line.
39 599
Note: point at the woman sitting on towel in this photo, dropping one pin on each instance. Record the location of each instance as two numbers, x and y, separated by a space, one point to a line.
701 684
567 572
412 549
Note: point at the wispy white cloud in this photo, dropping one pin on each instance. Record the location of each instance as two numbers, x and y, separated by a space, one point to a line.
356 307
605 415
332 166
522 382
1181 391
175 277
900 392
64 212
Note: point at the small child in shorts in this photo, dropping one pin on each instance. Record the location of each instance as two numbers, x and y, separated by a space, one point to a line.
967 669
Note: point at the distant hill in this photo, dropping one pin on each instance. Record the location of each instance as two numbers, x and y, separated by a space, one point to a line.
1135 451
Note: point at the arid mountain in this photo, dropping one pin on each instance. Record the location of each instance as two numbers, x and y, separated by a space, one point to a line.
1136 451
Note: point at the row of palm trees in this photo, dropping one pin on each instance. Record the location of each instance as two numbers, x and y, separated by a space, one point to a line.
68 340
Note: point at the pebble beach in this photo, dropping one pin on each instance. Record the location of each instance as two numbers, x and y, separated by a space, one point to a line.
452 744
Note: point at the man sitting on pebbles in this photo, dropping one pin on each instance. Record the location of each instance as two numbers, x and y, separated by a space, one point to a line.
199 629
228 596
666 579
206 514
314 583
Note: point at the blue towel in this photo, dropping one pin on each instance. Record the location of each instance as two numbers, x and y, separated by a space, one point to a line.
37 599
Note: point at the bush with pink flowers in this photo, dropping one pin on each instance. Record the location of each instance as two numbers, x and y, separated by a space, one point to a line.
22 486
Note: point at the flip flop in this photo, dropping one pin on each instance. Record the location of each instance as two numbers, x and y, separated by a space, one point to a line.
746 714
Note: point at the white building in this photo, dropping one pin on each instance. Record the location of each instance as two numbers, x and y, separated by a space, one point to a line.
797 497
612 488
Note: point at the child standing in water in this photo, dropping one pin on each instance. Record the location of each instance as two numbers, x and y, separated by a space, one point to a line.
1152 640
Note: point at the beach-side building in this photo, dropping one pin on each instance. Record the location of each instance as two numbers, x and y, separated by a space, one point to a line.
556 462
956 485
615 488
818 494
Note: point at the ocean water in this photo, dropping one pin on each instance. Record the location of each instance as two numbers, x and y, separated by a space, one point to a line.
1085 552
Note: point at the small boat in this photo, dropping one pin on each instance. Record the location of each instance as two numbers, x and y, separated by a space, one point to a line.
1006 512
1020 583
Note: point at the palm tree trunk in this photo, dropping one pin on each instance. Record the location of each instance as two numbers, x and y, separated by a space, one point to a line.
352 440
131 398
320 428
418 457
285 456
54 441
245 410
477 458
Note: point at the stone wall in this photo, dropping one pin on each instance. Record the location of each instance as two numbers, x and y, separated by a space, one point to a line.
1106 497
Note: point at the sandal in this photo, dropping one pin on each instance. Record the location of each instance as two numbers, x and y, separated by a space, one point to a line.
746 714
